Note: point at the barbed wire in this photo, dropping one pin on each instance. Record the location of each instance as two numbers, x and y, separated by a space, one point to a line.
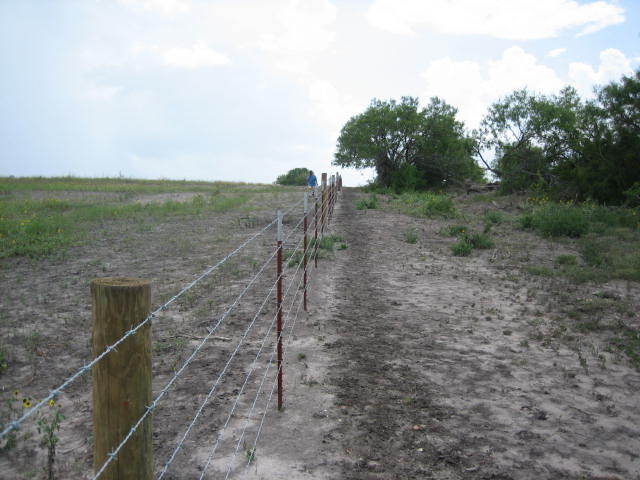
266 408
221 431
153 405
222 373
54 393
255 400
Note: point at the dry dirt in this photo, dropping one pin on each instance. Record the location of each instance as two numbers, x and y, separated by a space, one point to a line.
411 363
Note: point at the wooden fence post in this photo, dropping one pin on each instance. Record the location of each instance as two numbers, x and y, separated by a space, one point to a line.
122 379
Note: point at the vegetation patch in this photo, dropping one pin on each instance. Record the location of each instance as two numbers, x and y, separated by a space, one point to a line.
368 203
426 204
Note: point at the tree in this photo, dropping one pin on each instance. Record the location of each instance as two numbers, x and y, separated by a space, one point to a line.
295 176
571 148
408 147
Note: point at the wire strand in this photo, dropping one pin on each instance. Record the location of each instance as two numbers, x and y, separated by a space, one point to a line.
57 391
221 375
221 431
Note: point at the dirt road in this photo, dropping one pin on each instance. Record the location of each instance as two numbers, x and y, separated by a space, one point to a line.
427 368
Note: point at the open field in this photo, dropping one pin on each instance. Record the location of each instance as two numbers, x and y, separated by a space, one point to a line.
471 337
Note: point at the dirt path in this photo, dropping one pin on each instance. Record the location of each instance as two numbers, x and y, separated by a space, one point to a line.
430 374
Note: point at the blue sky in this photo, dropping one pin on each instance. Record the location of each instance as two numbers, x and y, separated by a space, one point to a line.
247 89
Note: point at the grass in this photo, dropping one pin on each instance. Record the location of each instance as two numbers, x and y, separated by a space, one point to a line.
426 204
39 227
125 185
576 220
468 240
411 236
368 203
607 238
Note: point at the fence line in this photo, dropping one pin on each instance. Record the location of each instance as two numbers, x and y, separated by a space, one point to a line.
255 400
222 373
328 198
221 431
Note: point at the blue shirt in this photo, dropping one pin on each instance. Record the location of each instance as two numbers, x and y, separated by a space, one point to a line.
312 181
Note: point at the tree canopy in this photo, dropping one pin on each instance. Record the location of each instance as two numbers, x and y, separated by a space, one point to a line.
295 176
409 147
567 146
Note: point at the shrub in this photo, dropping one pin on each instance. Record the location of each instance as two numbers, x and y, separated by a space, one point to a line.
295 176
456 230
566 260
427 204
411 236
370 203
556 220
479 240
493 217
462 248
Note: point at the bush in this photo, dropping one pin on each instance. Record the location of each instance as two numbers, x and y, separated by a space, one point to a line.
427 204
566 260
479 240
295 176
370 203
411 236
556 220
462 248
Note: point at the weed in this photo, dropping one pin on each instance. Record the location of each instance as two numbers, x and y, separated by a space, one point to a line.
566 260
370 203
462 248
540 270
493 217
301 356
479 240
456 230
411 236
48 426
343 246
250 453
4 360
426 204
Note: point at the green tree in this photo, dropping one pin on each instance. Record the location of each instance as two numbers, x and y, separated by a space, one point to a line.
295 176
409 148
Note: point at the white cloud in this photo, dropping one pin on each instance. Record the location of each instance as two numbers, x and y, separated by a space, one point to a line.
198 56
472 87
166 7
287 33
515 19
613 64
556 52
329 106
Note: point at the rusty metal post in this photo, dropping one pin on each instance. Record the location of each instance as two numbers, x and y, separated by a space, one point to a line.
325 202
315 234
305 225
279 306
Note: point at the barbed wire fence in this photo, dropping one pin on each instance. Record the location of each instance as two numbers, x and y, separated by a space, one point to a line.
302 256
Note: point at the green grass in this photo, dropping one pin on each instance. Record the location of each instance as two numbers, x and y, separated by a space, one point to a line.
411 236
426 204
126 185
462 248
569 220
566 260
34 228
368 203
493 217
468 240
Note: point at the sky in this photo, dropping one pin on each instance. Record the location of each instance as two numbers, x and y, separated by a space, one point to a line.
244 90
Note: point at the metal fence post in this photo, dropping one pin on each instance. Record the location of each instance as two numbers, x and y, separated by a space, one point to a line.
279 306
315 234
122 380
306 214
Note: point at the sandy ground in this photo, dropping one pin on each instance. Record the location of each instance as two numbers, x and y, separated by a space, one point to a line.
427 367
410 363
